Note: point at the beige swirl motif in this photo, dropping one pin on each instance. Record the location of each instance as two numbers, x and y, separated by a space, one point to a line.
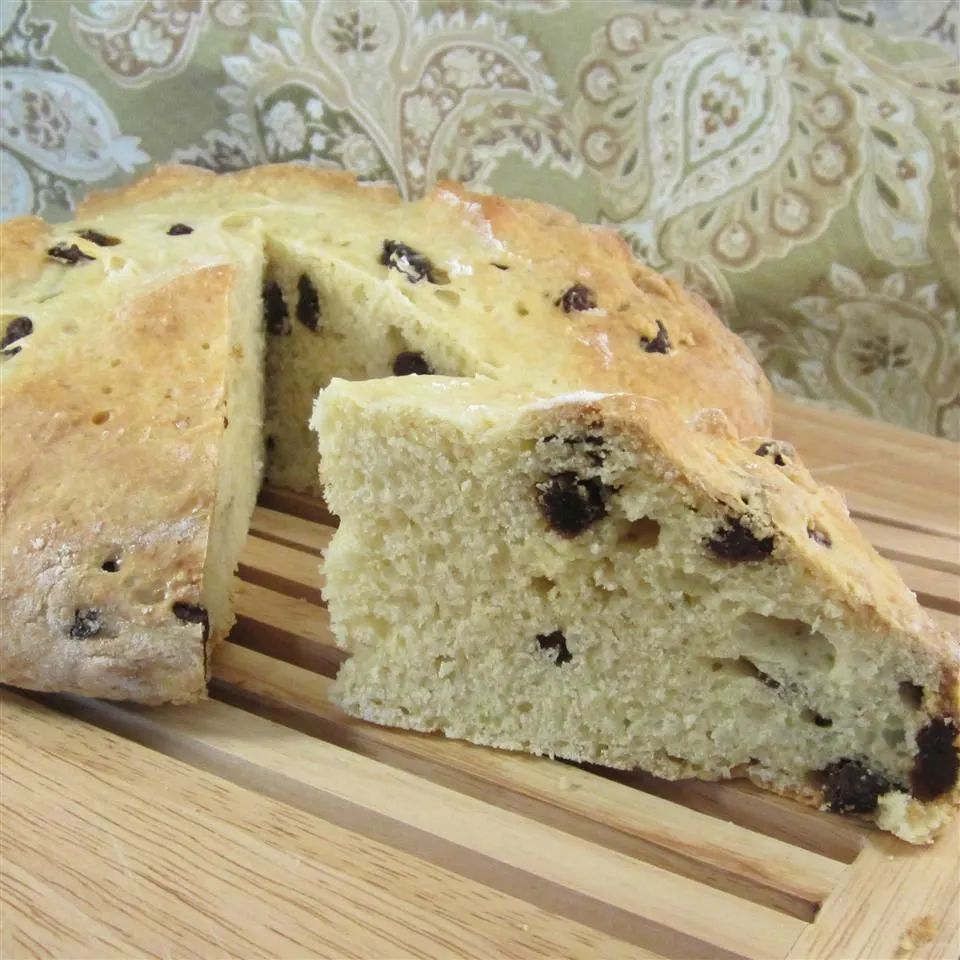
57 134
738 143
885 345
388 93
934 20
140 42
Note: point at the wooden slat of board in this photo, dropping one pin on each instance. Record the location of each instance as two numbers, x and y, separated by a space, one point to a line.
296 504
923 549
284 628
653 907
684 841
884 499
819 426
284 569
290 531
759 810
111 849
869 913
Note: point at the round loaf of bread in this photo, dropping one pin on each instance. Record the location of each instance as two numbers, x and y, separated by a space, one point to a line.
135 408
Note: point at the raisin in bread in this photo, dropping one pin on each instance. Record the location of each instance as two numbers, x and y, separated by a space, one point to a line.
361 284
131 398
132 386
591 577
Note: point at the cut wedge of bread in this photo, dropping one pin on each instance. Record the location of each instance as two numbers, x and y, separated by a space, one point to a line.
596 578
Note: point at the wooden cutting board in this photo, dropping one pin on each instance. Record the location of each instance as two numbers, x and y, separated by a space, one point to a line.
265 823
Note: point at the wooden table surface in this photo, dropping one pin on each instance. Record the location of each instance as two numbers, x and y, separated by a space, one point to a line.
265 823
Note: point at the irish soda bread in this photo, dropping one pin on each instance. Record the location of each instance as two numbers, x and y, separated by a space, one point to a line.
132 393
591 577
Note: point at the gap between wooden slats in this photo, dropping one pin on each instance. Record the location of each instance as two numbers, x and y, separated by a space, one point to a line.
584 881
292 630
568 797
869 516
284 569
934 588
112 849
877 499
912 546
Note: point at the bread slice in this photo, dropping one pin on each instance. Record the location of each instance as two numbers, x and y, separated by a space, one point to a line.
131 398
592 577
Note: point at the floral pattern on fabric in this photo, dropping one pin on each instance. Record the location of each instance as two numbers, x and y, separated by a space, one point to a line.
797 162
56 131
739 143
881 335
388 94
142 41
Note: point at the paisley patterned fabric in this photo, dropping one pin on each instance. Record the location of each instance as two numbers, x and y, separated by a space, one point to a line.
795 161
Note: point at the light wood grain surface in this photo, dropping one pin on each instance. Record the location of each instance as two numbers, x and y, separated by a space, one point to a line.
266 823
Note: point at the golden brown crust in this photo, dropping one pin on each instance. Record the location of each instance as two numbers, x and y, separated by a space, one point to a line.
705 366
161 182
123 478
22 244
518 322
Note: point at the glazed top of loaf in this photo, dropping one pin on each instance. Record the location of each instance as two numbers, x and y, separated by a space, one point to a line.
534 297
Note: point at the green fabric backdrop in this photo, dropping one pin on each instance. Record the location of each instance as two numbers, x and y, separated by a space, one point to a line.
796 161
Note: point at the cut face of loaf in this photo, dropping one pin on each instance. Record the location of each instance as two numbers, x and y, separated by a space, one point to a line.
590 577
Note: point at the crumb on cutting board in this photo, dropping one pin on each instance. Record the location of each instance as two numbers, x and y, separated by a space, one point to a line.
920 930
